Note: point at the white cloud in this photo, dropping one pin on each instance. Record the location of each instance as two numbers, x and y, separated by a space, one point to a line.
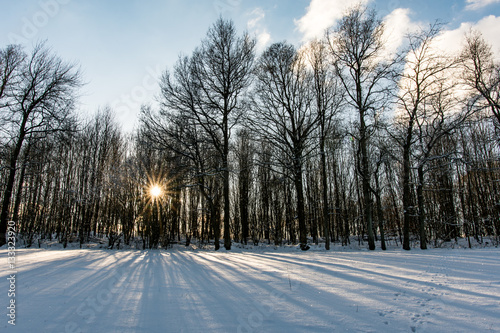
263 40
477 4
489 26
255 25
397 25
259 15
322 14
453 40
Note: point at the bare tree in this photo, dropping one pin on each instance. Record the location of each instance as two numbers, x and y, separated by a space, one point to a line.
481 72
40 103
220 73
11 61
356 44
174 129
328 99
424 70
201 103
444 111
244 154
283 114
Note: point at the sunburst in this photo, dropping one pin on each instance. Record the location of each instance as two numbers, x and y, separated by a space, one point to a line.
155 191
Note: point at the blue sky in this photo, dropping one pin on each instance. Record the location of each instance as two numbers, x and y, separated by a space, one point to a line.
123 46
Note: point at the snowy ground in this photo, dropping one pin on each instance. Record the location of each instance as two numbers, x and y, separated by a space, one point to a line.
438 290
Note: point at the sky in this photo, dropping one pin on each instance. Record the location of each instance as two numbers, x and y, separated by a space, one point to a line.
123 46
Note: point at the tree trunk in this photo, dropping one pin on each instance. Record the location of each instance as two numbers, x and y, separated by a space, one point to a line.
406 197
300 207
225 165
244 208
324 184
380 215
214 221
10 185
17 204
365 167
421 211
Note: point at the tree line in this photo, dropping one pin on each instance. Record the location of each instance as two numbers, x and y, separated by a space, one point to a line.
334 139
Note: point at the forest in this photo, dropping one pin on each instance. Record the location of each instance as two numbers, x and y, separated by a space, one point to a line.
333 141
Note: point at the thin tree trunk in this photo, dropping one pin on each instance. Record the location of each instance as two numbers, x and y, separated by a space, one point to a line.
324 184
380 215
17 204
365 167
301 211
10 186
421 211
406 198
225 165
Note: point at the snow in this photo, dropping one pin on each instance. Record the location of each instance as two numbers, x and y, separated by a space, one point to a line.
193 290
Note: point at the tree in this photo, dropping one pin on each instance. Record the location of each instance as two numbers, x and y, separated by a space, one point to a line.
481 73
221 72
174 129
244 154
11 61
201 104
40 102
356 45
425 69
443 112
283 114
328 99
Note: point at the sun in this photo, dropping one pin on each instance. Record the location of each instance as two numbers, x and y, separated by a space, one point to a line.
155 191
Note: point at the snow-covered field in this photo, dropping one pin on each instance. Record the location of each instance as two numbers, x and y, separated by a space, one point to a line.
438 290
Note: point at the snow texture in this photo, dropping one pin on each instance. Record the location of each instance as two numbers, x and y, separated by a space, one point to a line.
438 290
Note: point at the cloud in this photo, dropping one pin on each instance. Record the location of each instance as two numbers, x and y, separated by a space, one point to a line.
322 14
263 40
453 40
259 15
396 26
255 25
477 4
489 26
